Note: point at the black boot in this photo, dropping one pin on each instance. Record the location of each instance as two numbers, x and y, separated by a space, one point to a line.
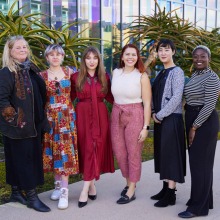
17 195
168 199
34 202
162 192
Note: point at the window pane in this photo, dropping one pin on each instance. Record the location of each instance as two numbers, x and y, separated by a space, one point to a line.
71 10
84 17
164 4
218 19
106 29
116 31
89 16
96 18
210 19
146 7
190 1
212 4
189 13
44 8
127 12
35 6
5 5
179 8
57 13
201 2
200 17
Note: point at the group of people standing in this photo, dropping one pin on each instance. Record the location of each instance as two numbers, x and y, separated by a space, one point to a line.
43 132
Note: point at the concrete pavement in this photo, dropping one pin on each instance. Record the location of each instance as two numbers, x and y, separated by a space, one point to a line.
108 191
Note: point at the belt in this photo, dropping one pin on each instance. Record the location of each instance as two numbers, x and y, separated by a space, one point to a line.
90 100
195 108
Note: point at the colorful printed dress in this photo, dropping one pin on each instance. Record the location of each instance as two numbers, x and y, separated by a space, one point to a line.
60 153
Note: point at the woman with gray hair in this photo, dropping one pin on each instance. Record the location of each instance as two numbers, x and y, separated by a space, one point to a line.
60 154
22 122
202 125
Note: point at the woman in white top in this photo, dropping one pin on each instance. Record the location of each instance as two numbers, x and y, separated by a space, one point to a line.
130 117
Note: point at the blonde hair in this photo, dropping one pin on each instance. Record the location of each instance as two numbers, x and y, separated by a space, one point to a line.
7 59
100 70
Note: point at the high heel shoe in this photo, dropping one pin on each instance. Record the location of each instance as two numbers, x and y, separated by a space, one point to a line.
92 197
82 204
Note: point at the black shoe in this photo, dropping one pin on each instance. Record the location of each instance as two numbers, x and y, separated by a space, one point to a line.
168 199
17 196
92 197
124 191
82 204
162 192
186 214
34 202
125 199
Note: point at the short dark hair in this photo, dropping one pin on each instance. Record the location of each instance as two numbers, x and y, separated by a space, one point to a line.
166 43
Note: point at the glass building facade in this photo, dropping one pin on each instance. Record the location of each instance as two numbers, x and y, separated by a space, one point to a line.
108 19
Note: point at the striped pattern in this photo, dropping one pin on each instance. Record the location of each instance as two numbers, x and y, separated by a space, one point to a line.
202 89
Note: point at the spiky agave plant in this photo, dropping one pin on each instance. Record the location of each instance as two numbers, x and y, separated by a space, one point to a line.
148 30
39 35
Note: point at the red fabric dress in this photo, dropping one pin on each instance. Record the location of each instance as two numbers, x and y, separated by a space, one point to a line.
93 128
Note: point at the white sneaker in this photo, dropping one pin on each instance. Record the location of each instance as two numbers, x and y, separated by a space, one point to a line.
56 193
63 201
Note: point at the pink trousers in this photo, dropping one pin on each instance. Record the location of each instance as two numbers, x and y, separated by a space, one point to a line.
126 125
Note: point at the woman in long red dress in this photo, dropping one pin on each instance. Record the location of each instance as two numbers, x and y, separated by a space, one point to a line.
91 86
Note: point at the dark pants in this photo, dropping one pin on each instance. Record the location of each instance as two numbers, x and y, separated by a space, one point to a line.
201 159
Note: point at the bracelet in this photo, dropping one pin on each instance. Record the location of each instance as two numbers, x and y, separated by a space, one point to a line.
146 127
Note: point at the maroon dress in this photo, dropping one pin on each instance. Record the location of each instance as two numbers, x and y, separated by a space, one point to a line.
93 128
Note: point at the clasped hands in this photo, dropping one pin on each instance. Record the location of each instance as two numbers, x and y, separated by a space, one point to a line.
155 119
9 113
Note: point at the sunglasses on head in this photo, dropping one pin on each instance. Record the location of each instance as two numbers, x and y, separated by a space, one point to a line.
57 85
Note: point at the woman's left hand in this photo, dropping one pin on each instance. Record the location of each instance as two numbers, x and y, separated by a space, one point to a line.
155 119
142 136
192 133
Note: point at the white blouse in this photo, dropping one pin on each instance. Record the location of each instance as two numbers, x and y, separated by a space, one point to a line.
126 87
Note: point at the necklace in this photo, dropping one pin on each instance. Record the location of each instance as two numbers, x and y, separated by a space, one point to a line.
55 73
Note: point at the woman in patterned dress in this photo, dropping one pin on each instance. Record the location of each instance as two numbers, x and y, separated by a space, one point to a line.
60 145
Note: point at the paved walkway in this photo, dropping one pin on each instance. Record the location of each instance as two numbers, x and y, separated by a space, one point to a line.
105 207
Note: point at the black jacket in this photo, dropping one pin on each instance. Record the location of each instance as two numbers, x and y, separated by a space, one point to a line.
22 107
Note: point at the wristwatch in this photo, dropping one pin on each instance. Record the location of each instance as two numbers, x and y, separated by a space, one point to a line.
147 127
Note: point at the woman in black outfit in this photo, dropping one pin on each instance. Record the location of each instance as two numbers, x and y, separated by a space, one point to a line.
22 122
169 136
202 125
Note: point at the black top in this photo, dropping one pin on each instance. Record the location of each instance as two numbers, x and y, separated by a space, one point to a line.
158 88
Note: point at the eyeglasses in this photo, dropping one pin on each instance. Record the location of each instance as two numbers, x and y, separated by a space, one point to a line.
57 85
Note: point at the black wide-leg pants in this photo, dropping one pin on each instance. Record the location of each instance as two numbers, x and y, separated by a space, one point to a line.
201 160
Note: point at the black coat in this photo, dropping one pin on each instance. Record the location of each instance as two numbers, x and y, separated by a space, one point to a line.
28 107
